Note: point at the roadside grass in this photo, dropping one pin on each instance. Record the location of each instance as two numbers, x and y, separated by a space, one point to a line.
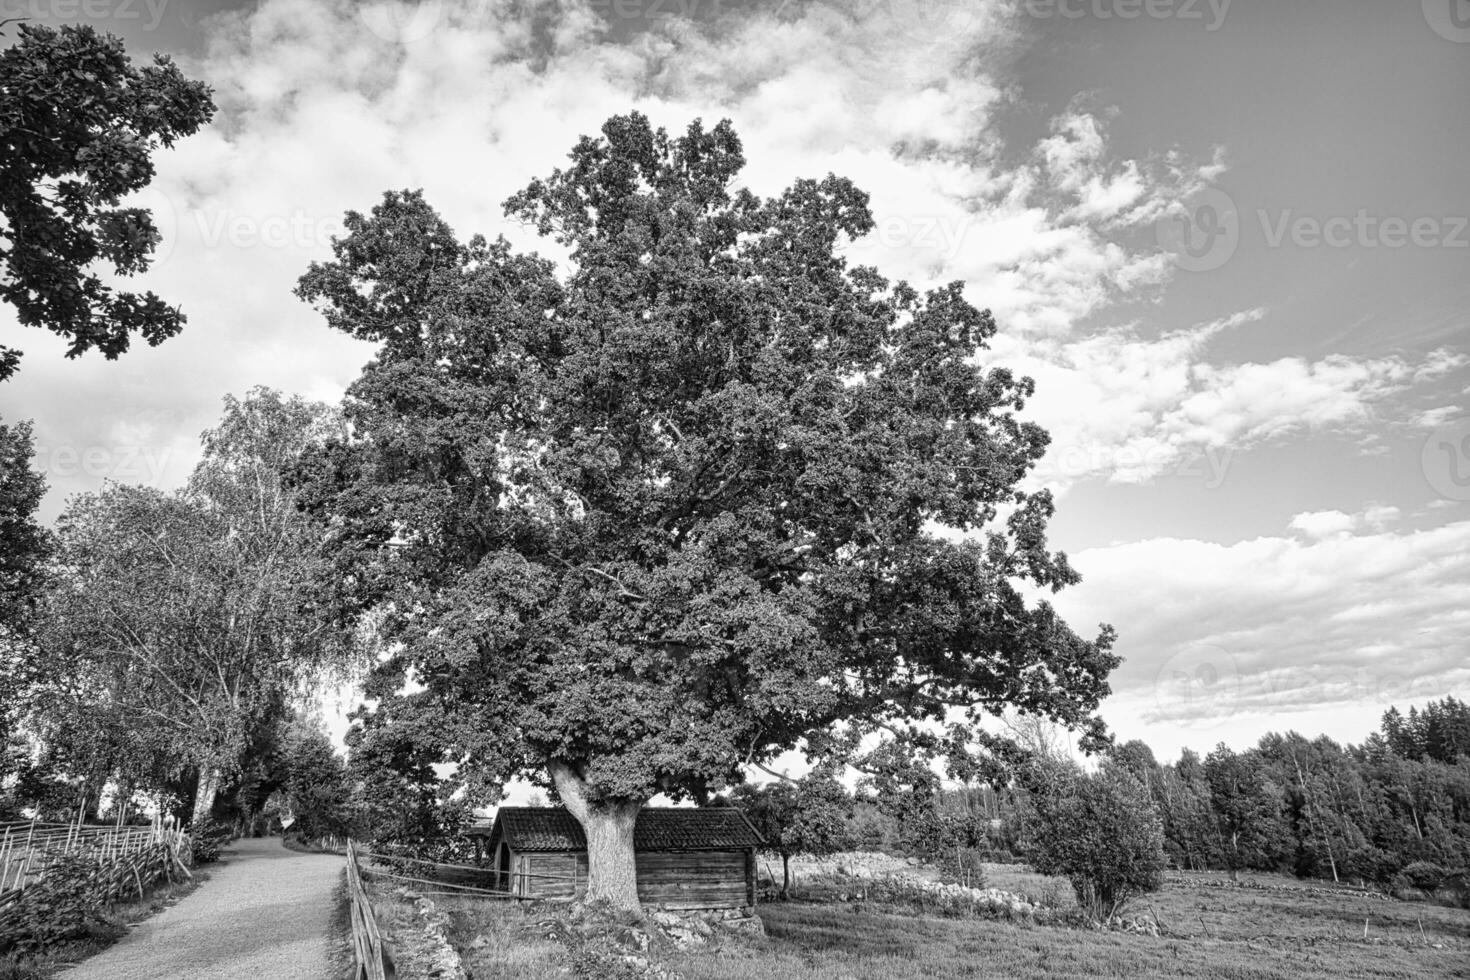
512 940
502 940
400 924
1282 930
339 946
115 923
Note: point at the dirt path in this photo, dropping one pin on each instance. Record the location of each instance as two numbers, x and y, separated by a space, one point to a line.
264 914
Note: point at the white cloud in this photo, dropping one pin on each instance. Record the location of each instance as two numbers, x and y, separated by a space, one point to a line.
323 108
1323 523
1125 409
1328 523
1352 616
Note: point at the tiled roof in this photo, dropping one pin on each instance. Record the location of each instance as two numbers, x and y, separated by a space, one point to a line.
544 828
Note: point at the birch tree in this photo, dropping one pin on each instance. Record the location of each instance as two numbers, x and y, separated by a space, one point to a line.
181 616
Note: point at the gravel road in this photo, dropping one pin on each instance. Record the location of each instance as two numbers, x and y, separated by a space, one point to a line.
264 914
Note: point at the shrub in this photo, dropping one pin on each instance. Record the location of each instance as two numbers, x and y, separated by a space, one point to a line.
18 969
963 866
1370 863
1102 833
208 840
1457 883
65 903
1425 875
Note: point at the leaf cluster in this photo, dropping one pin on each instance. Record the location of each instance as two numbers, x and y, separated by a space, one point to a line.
79 123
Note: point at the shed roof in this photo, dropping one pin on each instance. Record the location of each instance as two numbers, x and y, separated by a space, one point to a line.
545 828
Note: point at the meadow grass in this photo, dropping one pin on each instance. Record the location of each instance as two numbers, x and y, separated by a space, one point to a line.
499 940
1280 930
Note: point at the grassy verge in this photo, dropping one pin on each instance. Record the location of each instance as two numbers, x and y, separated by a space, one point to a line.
339 950
500 940
116 922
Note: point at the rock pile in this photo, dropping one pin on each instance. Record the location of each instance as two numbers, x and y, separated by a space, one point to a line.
984 901
851 864
438 956
694 927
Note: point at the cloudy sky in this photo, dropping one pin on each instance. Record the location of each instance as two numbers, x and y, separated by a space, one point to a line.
1228 239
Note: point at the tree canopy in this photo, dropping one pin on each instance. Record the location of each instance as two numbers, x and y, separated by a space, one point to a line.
78 123
805 816
640 522
181 618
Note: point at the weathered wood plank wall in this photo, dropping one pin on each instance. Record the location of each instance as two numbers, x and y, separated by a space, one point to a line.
677 880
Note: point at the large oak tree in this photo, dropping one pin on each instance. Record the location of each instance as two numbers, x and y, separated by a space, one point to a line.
637 523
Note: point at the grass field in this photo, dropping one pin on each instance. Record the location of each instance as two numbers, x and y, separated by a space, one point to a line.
1266 927
504 941
1279 929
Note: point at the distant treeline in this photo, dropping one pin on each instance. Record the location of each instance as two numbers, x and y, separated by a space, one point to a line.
1393 811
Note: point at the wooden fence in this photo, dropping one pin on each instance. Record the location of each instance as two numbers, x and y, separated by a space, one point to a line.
28 848
58 875
455 879
374 959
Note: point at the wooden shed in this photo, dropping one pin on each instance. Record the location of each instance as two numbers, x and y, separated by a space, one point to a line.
687 858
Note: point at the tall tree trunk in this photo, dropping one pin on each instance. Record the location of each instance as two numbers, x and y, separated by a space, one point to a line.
785 873
612 872
204 798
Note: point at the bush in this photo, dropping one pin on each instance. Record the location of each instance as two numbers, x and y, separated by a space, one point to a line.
1457 883
1370 863
63 904
208 840
963 866
1425 875
12 968
1103 834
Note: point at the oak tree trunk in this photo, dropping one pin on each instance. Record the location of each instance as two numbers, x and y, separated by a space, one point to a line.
612 873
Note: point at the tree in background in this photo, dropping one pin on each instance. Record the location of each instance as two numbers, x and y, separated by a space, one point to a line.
25 547
1102 833
1182 795
1440 732
1245 806
181 618
637 527
314 785
899 781
805 816
399 801
79 126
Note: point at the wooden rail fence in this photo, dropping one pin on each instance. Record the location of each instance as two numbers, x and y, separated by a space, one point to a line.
507 884
374 959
